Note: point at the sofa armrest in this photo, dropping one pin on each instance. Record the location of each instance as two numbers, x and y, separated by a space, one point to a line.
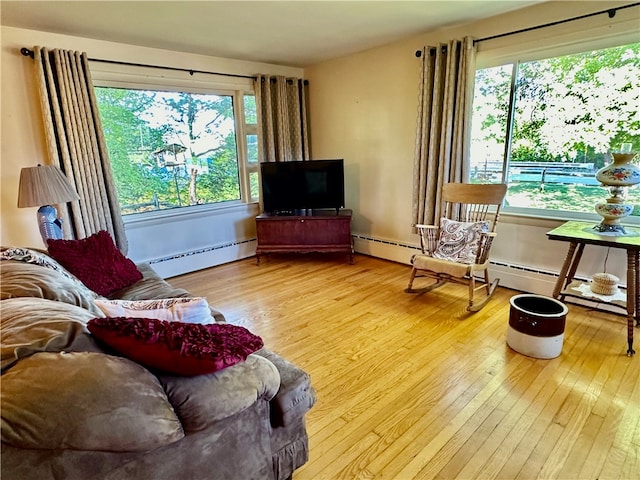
202 400
295 397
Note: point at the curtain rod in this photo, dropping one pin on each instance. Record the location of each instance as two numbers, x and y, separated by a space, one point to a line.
611 12
29 53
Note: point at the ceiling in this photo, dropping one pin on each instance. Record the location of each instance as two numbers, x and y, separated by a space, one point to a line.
294 33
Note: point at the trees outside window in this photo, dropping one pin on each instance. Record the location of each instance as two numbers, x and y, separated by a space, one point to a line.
545 127
173 149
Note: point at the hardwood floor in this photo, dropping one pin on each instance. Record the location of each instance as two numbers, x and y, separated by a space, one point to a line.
411 386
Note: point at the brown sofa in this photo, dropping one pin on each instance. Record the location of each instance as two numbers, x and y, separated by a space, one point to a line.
72 409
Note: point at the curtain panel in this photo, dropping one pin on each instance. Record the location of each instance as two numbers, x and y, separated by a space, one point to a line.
282 109
76 144
447 74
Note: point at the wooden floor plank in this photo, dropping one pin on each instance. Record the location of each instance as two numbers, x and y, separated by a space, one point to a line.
413 386
544 407
623 453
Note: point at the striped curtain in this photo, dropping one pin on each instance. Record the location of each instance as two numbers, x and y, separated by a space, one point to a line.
282 109
444 124
76 144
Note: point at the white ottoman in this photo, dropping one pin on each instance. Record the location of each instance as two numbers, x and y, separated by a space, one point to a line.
536 325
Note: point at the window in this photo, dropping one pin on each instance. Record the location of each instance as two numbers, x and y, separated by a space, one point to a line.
172 149
545 127
251 134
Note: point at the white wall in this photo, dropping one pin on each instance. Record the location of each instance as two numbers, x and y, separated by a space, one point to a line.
364 108
193 240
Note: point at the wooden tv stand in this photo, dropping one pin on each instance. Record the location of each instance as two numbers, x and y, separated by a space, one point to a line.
317 231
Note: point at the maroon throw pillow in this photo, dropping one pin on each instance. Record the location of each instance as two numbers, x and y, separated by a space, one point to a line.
96 261
177 348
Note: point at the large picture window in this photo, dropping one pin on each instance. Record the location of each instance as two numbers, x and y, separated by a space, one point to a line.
546 126
172 149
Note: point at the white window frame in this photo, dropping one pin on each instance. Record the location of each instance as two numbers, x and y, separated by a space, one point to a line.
546 43
147 78
250 167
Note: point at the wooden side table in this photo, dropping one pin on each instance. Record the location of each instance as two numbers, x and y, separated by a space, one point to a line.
579 234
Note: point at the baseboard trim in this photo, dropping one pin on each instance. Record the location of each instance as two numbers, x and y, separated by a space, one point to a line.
191 261
523 278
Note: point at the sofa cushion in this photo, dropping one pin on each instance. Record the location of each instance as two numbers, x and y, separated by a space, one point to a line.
458 241
203 400
175 347
96 261
20 279
186 309
31 325
85 401
35 257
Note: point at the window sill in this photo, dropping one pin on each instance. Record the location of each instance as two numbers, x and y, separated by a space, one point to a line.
139 220
553 218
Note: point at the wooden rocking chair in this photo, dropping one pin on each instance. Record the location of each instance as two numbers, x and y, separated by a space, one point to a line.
458 248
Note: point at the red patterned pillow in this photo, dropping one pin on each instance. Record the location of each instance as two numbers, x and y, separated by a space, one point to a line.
175 347
96 261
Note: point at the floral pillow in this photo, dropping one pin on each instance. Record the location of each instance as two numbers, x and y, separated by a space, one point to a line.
96 261
458 241
186 309
176 348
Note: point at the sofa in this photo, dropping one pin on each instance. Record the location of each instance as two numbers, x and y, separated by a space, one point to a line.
73 408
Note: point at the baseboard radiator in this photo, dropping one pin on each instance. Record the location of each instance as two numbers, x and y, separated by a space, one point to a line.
190 261
523 278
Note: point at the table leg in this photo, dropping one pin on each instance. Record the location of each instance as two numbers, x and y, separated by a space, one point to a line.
565 268
637 284
574 264
632 296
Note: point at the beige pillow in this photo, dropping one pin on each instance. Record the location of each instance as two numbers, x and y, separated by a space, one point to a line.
35 257
31 325
85 401
187 309
21 279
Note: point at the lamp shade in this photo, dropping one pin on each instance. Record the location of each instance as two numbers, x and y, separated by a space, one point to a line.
44 185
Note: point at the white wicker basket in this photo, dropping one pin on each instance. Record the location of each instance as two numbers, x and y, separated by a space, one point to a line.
604 284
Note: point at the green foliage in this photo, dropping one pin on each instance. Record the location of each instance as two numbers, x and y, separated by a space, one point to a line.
129 141
569 108
137 124
559 196
250 110
221 184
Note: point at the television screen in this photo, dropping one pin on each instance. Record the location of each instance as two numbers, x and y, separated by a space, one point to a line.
311 184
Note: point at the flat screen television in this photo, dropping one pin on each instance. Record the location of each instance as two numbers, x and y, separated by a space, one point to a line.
288 187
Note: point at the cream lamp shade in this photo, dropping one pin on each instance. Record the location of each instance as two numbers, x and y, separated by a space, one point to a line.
44 186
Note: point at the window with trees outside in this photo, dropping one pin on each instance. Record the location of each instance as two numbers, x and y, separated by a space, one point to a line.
171 149
545 127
